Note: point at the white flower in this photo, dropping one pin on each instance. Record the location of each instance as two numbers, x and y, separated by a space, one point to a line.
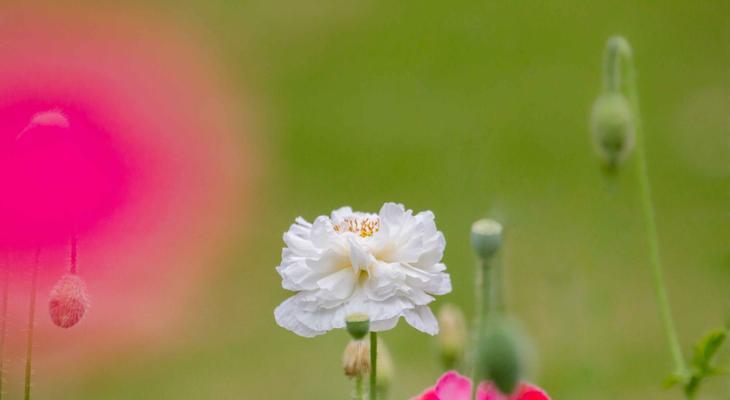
385 265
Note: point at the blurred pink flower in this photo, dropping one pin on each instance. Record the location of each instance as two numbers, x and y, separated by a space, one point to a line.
118 124
452 386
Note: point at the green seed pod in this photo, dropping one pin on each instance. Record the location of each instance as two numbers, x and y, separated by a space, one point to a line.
452 335
358 325
486 238
612 127
500 357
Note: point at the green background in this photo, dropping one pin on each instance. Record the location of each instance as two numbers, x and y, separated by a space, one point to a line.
466 108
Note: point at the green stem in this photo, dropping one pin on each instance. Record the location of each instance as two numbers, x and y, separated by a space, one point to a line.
498 304
31 326
373 365
358 388
618 52
483 296
3 327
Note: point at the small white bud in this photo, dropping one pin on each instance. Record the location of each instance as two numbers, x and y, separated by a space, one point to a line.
452 335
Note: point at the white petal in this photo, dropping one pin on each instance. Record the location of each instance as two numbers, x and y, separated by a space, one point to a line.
359 257
392 213
285 316
384 324
339 285
341 213
422 319
324 319
384 280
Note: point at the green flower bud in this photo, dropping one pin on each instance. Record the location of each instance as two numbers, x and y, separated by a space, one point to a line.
486 238
500 358
452 335
358 325
612 127
386 370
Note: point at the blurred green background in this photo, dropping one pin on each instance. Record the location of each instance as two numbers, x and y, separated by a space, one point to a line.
466 108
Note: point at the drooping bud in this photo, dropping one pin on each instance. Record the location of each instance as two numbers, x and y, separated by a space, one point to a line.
452 335
486 238
356 359
386 370
612 127
500 358
358 325
69 301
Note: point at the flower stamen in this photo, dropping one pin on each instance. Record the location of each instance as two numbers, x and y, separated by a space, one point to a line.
365 227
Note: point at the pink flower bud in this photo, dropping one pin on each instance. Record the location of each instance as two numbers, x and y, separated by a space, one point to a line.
68 301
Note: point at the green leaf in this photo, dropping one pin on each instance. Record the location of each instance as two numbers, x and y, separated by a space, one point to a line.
702 367
673 380
706 349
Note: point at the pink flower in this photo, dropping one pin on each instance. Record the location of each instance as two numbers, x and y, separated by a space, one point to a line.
452 386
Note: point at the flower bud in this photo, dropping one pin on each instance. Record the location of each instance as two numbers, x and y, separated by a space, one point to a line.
500 357
452 335
612 127
68 301
386 370
356 360
358 325
486 237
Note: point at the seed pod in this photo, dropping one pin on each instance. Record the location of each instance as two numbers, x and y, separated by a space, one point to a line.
68 301
500 357
612 127
486 238
358 325
356 359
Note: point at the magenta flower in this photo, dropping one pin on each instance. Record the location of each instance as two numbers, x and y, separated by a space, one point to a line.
452 386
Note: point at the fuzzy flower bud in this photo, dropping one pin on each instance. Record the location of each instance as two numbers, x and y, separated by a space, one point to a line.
452 336
500 358
486 237
612 127
68 301
358 325
356 359
386 370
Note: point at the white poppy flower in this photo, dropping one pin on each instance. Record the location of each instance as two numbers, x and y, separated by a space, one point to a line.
385 265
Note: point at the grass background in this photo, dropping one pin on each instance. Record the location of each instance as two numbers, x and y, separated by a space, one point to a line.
467 108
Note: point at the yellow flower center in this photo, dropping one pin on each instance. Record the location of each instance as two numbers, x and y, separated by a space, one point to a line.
365 227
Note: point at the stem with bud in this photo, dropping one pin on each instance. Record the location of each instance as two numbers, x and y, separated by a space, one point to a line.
620 75
3 326
373 365
31 326
359 388
483 296
73 268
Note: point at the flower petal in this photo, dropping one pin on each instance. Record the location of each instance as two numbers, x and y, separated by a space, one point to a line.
339 285
285 316
453 386
422 319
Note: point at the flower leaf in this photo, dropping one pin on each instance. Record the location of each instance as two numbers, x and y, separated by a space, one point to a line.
673 380
706 349
702 366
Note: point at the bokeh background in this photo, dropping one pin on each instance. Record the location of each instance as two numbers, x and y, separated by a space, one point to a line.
469 109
